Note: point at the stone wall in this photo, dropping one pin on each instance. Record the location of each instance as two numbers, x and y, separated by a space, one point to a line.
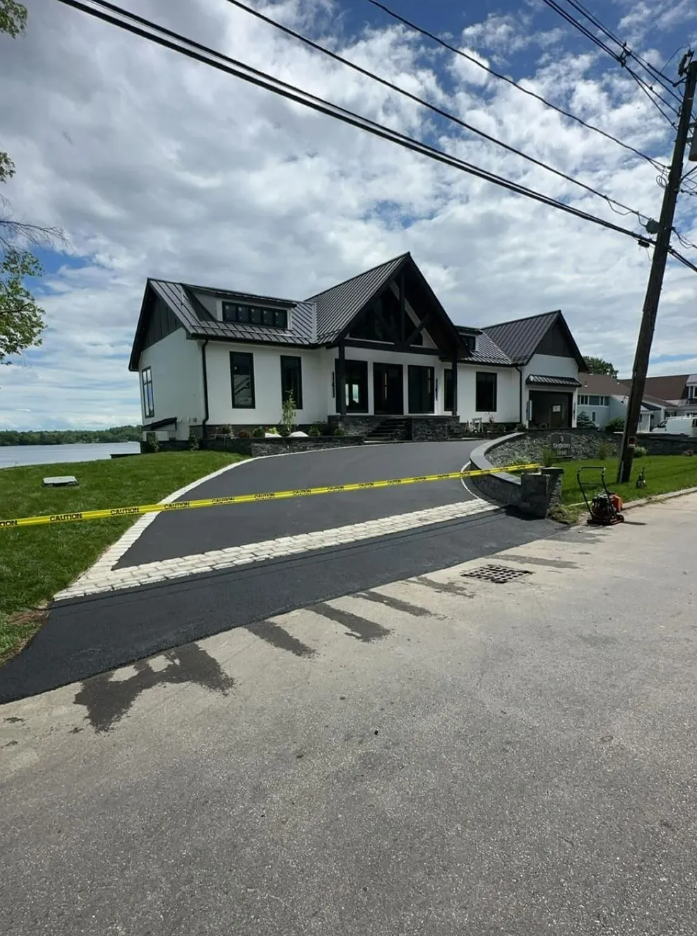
435 428
663 443
258 447
523 447
533 492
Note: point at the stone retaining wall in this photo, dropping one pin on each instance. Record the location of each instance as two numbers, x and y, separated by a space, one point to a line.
663 443
258 447
527 446
533 492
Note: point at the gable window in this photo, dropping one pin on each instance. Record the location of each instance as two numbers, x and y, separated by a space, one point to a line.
242 380
448 390
486 392
292 380
383 322
421 383
148 398
255 315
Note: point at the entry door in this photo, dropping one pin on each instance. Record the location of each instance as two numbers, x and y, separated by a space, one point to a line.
388 386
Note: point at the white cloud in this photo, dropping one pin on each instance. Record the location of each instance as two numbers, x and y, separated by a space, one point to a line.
155 165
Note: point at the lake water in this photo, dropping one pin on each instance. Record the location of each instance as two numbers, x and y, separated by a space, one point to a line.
11 456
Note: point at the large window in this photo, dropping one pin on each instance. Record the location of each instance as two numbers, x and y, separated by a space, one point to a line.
292 380
383 322
421 396
255 315
242 378
148 398
356 390
448 390
486 392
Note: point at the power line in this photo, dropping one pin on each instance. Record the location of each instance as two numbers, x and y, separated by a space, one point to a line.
261 79
432 107
620 58
651 69
560 110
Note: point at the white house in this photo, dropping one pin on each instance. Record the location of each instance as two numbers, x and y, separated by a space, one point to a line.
377 346
603 398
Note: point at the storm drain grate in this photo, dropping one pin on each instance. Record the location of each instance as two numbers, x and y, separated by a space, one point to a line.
497 574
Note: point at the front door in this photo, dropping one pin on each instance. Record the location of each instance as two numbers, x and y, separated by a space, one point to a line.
388 386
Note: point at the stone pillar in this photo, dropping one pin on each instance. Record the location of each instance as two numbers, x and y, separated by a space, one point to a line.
540 490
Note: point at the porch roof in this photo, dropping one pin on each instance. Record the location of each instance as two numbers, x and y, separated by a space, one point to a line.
546 380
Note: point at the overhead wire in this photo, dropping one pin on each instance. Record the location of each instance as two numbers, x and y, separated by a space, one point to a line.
98 9
475 61
656 73
435 109
620 58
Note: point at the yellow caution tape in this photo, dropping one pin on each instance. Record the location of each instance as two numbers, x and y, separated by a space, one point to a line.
80 515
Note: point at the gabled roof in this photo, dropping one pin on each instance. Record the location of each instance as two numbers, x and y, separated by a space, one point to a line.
486 351
668 388
603 385
338 306
520 339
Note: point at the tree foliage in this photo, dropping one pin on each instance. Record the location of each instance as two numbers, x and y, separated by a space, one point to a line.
69 436
13 17
597 365
21 319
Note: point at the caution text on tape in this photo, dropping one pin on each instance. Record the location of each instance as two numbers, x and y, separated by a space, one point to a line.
106 513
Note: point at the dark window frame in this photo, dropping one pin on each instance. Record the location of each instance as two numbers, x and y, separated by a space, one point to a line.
427 399
250 358
287 366
148 398
486 382
244 314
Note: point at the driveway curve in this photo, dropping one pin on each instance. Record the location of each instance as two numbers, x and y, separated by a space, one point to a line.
174 535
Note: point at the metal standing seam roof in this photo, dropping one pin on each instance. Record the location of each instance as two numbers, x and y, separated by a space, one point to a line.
546 380
487 351
337 306
519 339
196 320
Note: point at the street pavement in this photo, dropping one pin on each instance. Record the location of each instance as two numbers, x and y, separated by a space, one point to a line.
443 754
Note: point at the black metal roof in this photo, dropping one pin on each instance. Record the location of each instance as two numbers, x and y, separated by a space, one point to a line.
519 339
486 352
549 381
339 305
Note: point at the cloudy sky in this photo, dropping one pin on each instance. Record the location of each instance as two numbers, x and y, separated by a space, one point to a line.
155 165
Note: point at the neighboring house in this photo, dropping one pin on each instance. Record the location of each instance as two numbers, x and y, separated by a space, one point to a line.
376 346
679 392
603 398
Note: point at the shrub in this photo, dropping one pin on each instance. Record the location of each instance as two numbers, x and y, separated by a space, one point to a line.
288 418
151 442
603 451
228 431
615 425
244 434
272 430
339 431
259 432
640 451
549 456
583 421
314 431
193 443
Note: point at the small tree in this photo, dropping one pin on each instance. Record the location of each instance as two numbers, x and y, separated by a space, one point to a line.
289 414
583 421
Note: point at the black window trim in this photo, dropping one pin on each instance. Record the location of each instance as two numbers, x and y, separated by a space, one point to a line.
250 356
299 399
232 315
494 383
145 382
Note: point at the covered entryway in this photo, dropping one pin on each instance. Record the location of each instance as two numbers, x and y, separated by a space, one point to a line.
388 389
549 410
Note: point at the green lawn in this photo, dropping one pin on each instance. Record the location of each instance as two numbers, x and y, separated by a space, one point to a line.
664 473
37 562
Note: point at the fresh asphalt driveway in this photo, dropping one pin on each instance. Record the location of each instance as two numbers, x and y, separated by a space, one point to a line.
94 634
172 535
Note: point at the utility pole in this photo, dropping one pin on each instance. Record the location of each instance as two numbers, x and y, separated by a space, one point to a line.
658 266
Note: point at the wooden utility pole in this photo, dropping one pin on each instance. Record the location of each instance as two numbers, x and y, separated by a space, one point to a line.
655 284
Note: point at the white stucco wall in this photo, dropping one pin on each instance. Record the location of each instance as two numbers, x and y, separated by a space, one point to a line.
267 385
177 381
507 393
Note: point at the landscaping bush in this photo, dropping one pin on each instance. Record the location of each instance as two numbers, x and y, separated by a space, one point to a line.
314 431
640 451
288 417
583 421
615 425
339 431
258 433
603 451
151 442
272 430
549 456
244 434
193 443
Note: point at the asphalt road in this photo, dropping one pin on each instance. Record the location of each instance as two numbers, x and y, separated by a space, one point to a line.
440 757
172 535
